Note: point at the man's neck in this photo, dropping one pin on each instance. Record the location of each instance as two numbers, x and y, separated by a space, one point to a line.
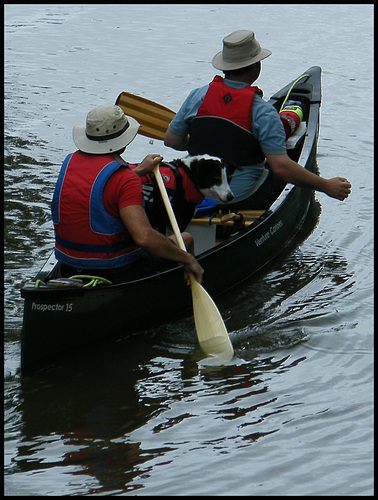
241 79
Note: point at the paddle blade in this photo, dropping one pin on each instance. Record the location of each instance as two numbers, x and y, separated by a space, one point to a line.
211 330
153 117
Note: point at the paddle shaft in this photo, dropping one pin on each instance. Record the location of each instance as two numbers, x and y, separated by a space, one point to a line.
211 331
171 215
168 207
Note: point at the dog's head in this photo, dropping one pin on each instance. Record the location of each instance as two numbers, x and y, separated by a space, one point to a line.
211 175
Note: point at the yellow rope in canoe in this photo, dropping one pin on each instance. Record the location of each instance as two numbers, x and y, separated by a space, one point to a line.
291 88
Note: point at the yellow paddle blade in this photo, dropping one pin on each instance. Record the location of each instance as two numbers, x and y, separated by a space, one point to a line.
153 117
211 330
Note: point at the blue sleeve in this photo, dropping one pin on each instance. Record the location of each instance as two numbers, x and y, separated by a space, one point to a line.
268 128
181 122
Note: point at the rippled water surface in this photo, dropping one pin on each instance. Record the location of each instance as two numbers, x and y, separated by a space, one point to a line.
292 413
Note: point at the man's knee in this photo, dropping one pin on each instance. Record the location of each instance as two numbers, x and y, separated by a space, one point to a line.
189 242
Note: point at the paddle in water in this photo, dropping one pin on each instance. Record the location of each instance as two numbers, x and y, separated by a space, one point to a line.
212 334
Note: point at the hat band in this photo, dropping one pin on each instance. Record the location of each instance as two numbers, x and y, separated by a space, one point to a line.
107 137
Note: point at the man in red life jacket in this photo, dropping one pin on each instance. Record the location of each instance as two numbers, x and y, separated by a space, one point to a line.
100 224
228 118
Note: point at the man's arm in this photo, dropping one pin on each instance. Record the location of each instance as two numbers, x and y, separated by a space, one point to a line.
139 228
290 171
174 141
177 136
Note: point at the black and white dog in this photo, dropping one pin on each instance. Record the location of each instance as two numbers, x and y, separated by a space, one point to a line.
210 175
188 180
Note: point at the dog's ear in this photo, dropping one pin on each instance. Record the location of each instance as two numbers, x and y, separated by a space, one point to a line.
176 162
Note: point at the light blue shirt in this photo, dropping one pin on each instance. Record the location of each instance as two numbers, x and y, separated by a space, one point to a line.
266 127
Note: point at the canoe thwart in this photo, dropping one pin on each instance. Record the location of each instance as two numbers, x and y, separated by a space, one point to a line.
245 217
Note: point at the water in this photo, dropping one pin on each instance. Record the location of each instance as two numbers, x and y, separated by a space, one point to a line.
292 415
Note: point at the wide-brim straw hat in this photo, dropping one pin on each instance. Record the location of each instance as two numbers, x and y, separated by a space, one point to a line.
107 130
240 49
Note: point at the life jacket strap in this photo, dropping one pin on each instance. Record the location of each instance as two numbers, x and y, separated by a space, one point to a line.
93 248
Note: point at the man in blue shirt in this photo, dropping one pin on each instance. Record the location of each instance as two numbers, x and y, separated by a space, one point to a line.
250 129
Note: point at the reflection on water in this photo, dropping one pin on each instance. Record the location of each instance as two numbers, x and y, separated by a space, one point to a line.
28 231
94 410
300 290
292 413
88 414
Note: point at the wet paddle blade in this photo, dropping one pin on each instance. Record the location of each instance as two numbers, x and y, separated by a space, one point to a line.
211 330
153 117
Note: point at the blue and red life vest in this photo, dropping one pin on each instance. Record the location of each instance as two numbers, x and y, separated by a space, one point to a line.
223 124
86 236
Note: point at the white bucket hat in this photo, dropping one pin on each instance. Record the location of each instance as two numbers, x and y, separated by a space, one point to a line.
107 130
240 49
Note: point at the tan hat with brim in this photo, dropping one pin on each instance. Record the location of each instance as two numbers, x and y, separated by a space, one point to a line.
107 130
240 49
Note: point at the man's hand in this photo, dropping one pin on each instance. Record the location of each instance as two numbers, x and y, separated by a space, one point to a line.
148 164
338 188
194 268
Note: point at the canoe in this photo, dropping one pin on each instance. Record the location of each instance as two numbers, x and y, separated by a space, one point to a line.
64 318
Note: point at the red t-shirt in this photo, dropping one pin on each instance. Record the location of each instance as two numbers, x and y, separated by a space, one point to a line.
124 188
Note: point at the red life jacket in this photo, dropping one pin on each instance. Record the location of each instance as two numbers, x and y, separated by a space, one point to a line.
177 179
182 193
86 236
223 124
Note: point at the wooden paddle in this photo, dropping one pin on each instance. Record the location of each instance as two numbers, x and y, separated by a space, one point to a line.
211 330
153 118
